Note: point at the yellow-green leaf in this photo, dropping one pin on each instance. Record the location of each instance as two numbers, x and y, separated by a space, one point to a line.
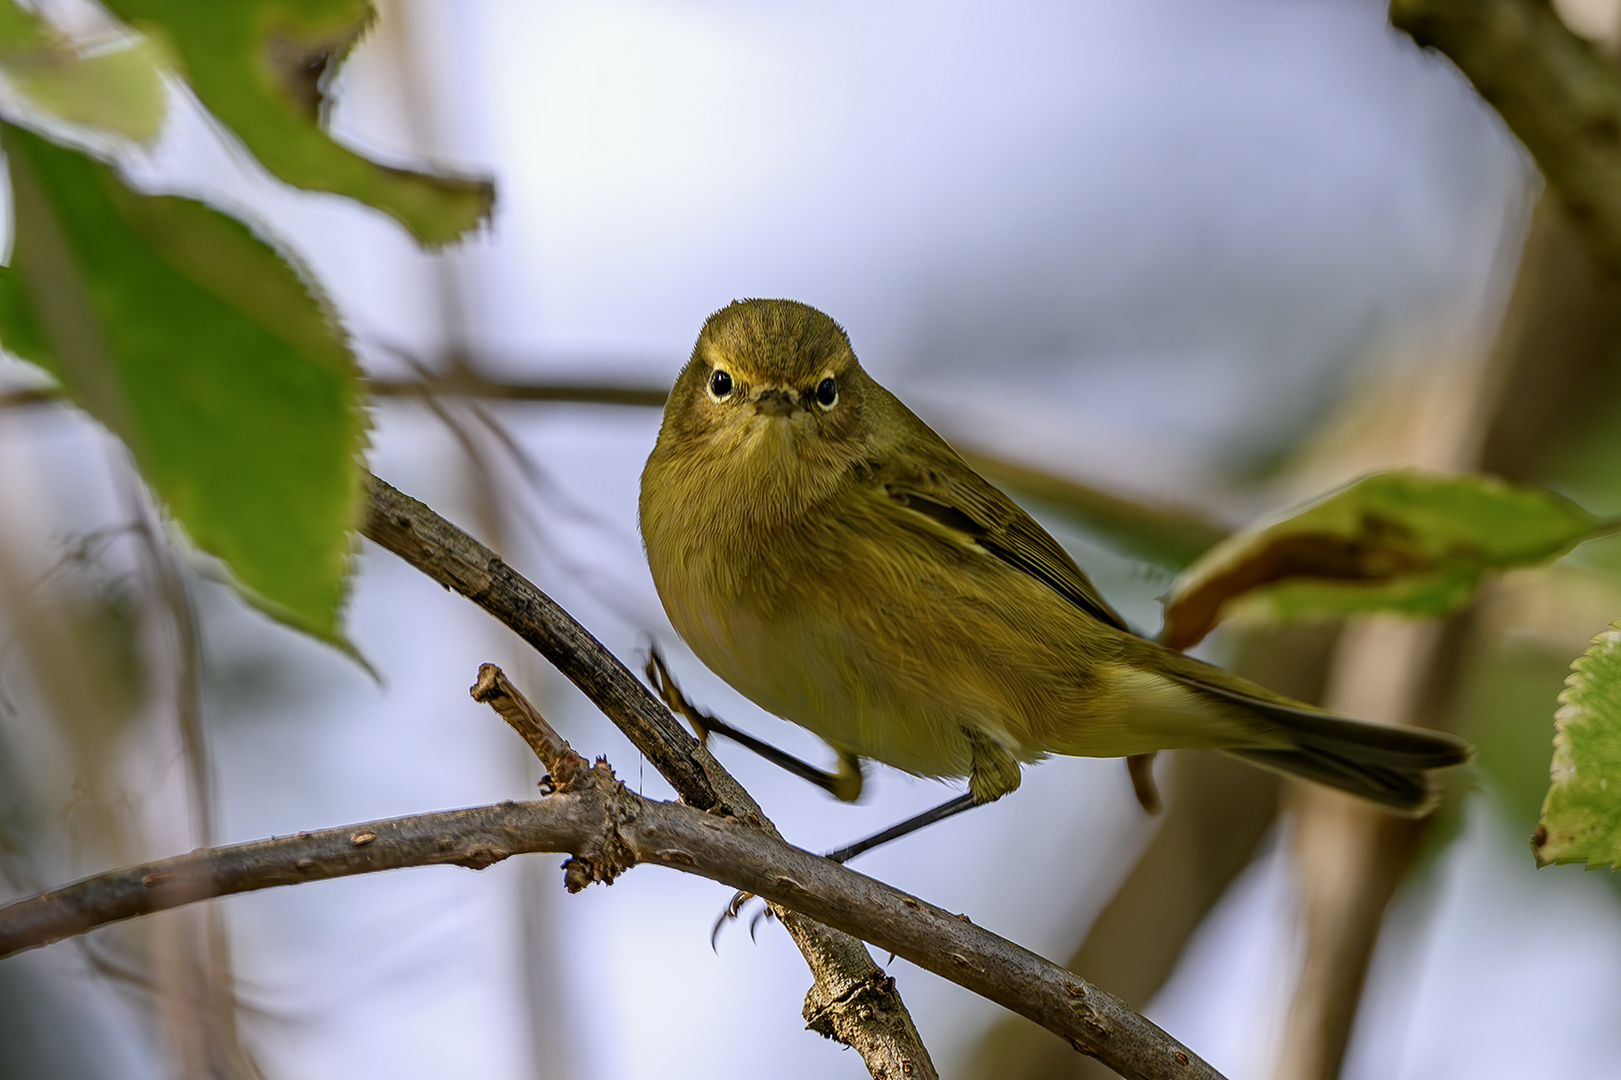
262 67
118 89
1404 541
1581 817
213 359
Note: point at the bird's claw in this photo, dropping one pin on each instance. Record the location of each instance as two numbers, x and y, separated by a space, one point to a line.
658 677
734 909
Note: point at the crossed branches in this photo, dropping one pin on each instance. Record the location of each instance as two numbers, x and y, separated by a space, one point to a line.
716 831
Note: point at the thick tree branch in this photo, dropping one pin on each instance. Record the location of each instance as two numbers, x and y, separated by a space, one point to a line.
459 563
608 829
1556 91
842 970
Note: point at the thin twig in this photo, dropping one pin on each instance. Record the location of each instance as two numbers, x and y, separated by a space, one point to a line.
1171 536
607 829
197 987
467 384
22 399
496 690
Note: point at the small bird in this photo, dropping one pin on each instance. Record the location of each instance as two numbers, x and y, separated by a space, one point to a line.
827 554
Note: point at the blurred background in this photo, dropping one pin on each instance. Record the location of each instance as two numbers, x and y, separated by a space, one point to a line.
1209 256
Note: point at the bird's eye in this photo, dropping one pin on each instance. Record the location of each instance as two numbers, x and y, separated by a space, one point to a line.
826 393
720 384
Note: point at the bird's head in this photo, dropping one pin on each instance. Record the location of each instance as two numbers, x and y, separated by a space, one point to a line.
774 399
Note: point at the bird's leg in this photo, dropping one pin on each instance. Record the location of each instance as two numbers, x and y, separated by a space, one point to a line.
844 785
1141 769
949 808
992 770
992 773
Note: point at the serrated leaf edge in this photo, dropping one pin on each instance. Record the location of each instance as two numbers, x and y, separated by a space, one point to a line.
1562 768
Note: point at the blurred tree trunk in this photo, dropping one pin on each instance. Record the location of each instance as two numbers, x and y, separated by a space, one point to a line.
1555 352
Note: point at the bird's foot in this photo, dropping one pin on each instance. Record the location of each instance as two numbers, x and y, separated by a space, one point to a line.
734 909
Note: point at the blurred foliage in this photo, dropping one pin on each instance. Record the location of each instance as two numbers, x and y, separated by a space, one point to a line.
1587 466
263 68
1403 541
247 421
216 361
1504 704
117 89
87 680
1170 537
1581 817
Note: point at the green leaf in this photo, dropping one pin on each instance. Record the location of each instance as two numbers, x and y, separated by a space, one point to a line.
119 89
209 355
1403 541
1581 817
262 67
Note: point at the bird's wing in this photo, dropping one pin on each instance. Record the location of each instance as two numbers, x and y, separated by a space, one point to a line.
975 512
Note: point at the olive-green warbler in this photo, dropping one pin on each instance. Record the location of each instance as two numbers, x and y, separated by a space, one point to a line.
830 556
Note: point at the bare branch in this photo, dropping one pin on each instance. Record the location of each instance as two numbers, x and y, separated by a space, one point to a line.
467 383
608 829
1168 535
840 966
496 690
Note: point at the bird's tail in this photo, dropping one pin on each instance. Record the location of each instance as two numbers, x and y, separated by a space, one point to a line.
1386 764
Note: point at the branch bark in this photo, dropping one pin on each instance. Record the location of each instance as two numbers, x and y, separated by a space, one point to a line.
608 829
841 969
449 556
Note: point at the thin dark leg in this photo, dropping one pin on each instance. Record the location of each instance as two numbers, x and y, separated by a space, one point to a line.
910 825
781 758
844 785
950 808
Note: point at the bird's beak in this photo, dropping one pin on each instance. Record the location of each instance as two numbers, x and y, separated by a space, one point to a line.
776 402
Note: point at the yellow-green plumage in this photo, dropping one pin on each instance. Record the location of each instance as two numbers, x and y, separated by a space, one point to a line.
842 567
